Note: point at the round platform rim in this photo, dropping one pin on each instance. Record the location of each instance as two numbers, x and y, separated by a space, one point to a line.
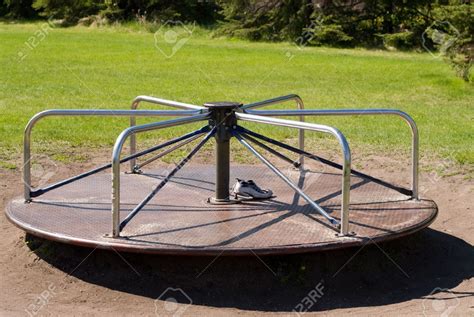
213 251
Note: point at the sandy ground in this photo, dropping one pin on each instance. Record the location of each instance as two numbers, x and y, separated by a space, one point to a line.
428 273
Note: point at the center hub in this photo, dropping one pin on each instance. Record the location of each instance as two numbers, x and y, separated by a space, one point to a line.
223 118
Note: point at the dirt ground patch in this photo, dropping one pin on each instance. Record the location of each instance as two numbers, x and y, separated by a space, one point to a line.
429 272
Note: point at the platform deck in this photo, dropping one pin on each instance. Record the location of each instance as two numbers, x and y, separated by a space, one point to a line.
180 221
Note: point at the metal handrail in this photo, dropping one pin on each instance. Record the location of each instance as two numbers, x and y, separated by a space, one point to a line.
80 112
265 161
273 101
351 112
247 133
158 101
277 100
119 143
346 167
166 179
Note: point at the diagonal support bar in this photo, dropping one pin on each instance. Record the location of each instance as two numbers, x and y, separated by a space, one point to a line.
162 184
286 179
158 101
415 142
119 143
346 152
193 135
299 102
82 112
247 133
166 152
271 150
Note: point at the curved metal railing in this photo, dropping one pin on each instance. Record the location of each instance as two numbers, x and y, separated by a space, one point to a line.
277 100
346 167
158 101
80 112
192 113
351 112
116 159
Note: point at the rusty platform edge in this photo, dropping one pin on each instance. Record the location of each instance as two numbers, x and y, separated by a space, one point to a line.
283 249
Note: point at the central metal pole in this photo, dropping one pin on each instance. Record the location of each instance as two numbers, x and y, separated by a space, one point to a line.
222 169
223 118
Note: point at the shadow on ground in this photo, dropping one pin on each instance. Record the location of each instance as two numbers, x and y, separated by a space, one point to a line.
373 275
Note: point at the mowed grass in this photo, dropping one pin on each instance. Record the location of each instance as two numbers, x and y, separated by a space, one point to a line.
92 68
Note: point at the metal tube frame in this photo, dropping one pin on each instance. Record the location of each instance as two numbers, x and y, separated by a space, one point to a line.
198 113
155 191
352 112
80 112
187 138
277 100
157 101
119 143
288 181
249 134
346 166
165 152
271 150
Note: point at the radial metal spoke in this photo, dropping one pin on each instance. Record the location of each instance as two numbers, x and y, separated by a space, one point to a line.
274 101
193 135
345 149
299 102
118 147
247 133
286 180
147 199
83 112
359 112
272 151
163 102
165 152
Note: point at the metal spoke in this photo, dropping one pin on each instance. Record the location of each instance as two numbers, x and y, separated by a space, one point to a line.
274 101
360 112
286 180
158 101
299 102
193 135
346 152
272 151
247 133
147 199
119 143
165 152
83 112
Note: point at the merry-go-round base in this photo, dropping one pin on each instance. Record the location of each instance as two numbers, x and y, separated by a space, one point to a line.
179 219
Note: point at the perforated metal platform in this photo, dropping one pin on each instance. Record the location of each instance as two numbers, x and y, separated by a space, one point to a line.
180 221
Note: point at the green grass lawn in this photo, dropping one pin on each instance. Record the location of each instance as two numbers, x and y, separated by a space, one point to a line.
107 67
